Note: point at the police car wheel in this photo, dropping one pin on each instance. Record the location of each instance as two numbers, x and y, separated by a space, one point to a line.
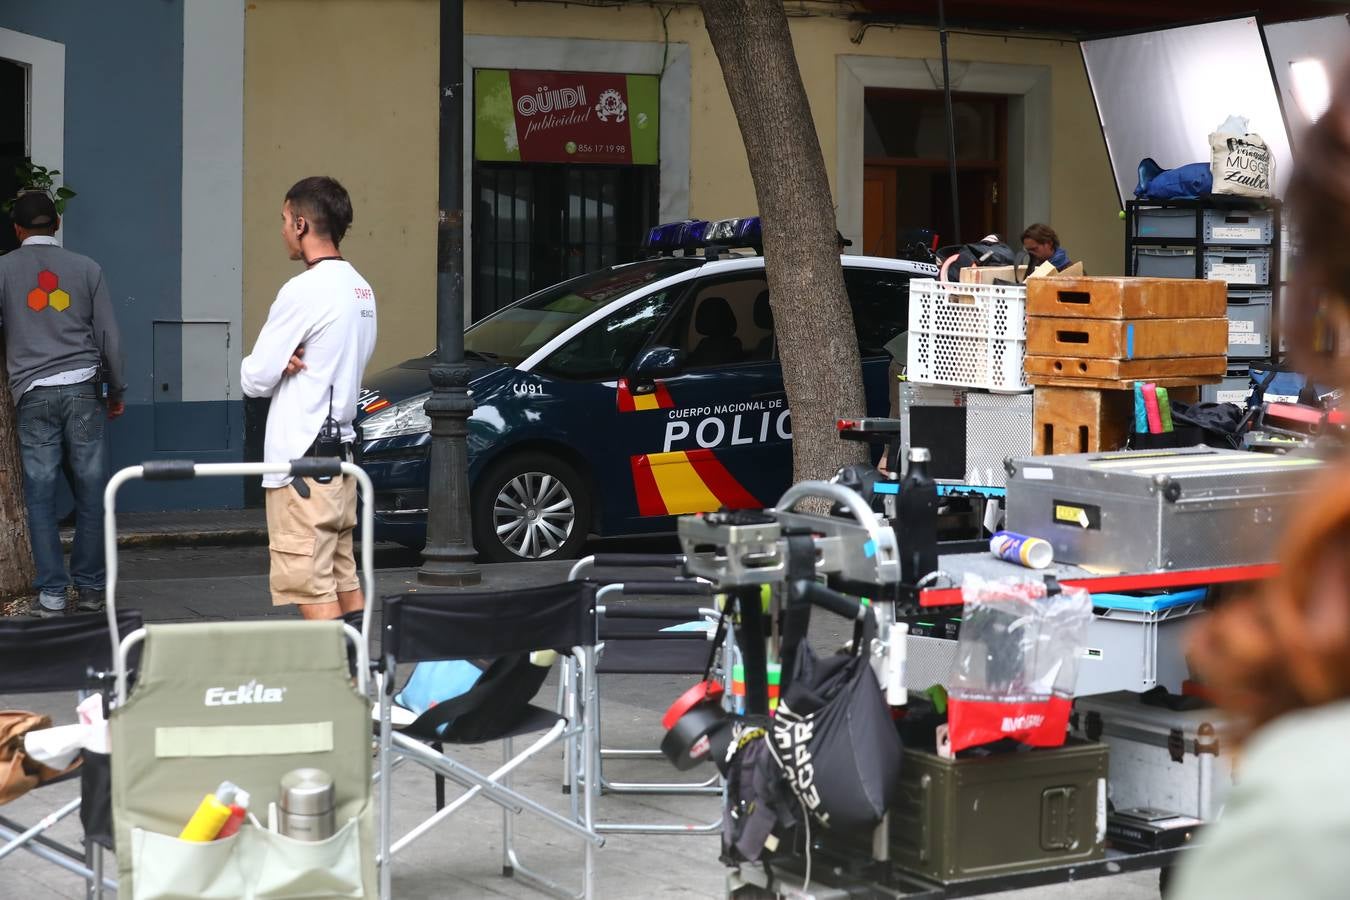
530 506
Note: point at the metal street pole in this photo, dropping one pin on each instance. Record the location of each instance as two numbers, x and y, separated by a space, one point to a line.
448 558
951 126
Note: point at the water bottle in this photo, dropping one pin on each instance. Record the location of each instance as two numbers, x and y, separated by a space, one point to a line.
307 805
916 519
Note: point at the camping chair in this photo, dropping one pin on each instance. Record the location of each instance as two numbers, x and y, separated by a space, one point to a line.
425 627
245 702
635 640
50 655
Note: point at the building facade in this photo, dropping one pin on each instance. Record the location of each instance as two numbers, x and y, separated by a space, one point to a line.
181 123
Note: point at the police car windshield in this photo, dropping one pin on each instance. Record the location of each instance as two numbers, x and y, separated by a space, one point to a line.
511 335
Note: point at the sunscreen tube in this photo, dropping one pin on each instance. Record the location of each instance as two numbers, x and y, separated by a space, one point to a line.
238 810
206 822
1032 552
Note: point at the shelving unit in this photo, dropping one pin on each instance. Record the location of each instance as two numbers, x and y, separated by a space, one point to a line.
1230 238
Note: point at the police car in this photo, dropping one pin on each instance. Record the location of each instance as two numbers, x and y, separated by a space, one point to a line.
609 403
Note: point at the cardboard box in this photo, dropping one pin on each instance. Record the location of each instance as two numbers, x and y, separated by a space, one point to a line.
1015 274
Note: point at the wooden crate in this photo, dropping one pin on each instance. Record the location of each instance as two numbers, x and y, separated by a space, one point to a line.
1088 420
1121 339
1176 370
1127 298
1081 420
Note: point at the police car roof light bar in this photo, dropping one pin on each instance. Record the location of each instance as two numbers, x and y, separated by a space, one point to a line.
713 236
672 236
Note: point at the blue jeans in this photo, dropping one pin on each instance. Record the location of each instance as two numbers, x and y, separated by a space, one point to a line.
61 435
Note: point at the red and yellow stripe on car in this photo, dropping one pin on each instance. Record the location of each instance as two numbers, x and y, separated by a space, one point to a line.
659 398
686 481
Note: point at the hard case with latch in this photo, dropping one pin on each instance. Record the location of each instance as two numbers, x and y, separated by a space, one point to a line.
1139 511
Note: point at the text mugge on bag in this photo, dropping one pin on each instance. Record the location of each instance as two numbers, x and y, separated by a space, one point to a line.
1240 161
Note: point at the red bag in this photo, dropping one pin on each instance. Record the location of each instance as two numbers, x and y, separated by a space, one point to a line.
1016 662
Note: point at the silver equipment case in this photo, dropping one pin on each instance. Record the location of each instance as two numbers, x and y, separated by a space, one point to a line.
1136 511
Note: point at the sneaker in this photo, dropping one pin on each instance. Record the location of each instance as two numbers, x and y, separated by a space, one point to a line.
39 610
90 600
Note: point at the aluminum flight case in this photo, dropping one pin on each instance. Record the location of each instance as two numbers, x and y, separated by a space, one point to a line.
1140 511
1180 761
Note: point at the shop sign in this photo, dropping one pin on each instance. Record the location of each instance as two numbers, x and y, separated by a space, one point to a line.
522 115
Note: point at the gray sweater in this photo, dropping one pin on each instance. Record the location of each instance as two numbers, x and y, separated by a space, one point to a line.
56 316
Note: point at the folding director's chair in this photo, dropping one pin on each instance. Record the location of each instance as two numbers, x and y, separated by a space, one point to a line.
60 655
246 702
636 640
424 627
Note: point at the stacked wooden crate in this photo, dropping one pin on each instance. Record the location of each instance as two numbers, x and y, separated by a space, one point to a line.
1090 339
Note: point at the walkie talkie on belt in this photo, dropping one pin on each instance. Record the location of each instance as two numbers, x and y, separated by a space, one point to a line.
329 442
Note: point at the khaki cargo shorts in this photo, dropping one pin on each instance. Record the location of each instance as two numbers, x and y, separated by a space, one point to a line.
311 542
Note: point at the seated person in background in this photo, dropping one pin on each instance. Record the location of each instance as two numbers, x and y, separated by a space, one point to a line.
1042 245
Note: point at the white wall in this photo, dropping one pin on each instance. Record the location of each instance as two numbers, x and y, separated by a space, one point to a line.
213 196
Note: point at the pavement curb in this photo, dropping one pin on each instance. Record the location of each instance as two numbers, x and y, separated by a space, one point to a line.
239 537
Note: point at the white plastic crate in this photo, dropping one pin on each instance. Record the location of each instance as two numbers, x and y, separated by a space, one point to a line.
967 335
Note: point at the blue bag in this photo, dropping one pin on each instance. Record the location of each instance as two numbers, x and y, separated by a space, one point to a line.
1182 183
435 682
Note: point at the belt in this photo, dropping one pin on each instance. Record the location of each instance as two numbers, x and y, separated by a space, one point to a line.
312 450
348 448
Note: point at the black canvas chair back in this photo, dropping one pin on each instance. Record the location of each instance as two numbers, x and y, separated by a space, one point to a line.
424 627
57 655
428 626
505 626
39 655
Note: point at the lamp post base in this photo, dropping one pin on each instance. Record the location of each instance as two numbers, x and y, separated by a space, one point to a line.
448 558
448 568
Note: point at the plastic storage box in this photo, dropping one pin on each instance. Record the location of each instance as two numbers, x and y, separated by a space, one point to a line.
1133 644
1178 761
1249 319
1238 265
1236 387
1137 643
1231 228
1239 227
967 335
1162 223
968 818
1164 262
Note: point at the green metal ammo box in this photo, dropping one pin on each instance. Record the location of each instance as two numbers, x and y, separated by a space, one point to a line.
972 818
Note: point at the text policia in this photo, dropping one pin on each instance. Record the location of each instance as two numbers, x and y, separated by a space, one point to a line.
728 425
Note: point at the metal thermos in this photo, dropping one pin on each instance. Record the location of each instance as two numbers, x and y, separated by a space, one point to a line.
916 519
305 811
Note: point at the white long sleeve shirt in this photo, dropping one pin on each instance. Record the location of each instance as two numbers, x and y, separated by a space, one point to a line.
328 309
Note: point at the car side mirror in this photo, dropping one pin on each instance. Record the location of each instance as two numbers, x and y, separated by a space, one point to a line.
659 362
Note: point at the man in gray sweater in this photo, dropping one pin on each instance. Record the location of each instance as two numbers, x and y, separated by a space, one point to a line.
62 347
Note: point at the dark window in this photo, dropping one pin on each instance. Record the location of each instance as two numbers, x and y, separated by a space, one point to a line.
13 140
514 333
607 348
537 224
880 301
726 323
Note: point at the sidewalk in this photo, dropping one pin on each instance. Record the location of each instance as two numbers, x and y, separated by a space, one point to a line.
186 528
462 858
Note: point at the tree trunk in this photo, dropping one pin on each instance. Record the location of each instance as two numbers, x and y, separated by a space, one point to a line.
16 556
822 371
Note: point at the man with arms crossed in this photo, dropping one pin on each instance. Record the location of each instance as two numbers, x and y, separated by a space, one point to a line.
309 358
